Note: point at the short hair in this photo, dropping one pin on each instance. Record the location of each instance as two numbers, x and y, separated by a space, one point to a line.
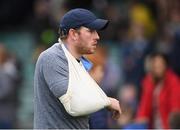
63 33
163 55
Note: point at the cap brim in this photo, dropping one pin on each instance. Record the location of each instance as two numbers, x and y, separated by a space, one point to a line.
98 24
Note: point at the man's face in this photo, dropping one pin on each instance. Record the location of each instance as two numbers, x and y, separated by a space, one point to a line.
87 40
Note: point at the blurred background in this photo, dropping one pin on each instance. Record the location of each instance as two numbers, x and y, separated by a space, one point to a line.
137 28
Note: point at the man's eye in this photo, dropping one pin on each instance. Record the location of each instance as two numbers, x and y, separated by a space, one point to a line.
91 30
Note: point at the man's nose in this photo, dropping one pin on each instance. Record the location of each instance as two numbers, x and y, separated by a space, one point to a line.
97 35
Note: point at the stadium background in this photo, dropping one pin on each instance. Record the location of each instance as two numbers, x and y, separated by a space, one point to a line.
137 27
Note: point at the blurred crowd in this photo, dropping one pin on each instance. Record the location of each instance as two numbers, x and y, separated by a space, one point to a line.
136 60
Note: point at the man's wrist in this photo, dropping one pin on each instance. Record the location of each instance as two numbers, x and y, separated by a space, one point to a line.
109 102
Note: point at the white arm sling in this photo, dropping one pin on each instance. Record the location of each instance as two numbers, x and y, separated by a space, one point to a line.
83 96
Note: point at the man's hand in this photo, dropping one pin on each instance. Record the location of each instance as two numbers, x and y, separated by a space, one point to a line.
115 108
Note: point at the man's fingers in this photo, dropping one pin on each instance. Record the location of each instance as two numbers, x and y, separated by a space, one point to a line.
115 108
115 115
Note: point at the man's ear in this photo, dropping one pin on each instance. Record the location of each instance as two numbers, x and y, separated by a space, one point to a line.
73 34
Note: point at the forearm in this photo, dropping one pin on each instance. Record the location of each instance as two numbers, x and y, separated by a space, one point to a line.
84 104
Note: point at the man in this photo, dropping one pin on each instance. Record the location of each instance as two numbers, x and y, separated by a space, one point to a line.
65 94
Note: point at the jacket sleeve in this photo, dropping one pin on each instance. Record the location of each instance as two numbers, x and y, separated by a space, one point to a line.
145 105
175 94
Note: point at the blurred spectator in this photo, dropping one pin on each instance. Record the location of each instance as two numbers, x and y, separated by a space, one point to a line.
160 95
9 83
174 27
43 23
113 72
140 14
168 43
165 41
99 59
98 120
128 98
133 50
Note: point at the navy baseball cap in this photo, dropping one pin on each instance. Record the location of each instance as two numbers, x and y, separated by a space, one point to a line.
78 17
